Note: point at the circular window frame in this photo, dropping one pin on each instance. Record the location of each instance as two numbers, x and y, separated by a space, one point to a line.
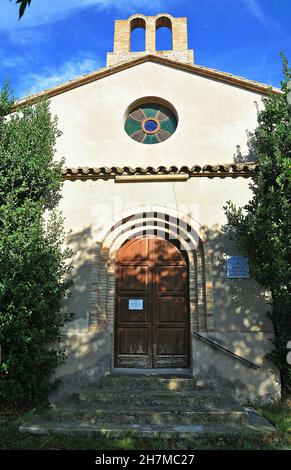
150 100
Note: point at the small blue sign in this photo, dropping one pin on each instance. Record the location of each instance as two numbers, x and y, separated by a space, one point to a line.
135 304
238 267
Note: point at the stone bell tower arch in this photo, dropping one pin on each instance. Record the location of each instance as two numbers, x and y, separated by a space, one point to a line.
122 38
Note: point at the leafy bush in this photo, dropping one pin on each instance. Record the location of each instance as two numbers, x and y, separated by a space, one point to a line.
34 275
262 228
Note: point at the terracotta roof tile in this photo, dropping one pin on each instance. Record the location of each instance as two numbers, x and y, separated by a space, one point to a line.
209 170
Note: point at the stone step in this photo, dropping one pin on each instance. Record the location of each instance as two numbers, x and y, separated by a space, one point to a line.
256 425
144 415
148 405
145 383
152 398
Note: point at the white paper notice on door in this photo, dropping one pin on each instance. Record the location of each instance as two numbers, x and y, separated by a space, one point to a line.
135 304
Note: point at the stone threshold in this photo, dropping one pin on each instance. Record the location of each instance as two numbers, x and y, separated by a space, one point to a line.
163 373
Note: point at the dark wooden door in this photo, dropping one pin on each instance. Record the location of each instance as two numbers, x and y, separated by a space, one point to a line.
152 312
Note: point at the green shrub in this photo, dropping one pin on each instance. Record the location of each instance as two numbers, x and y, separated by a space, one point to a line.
262 228
34 275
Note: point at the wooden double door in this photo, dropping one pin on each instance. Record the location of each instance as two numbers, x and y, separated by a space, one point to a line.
152 307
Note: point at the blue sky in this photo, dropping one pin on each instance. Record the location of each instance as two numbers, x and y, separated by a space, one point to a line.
70 38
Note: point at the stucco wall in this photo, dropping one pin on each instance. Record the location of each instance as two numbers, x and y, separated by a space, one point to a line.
213 120
89 206
214 367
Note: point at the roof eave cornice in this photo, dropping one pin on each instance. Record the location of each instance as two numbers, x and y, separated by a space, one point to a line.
107 71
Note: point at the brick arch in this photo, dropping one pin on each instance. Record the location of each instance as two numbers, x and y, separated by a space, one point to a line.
131 224
164 21
165 15
178 52
137 22
137 16
150 223
119 219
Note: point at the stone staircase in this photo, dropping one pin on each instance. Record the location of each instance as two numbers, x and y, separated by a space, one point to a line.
148 405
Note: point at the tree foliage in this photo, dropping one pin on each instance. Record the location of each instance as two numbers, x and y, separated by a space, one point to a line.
262 228
33 271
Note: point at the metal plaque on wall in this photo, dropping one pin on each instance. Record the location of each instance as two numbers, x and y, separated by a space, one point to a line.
237 267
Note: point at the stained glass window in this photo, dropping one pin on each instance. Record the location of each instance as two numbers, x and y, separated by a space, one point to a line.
150 123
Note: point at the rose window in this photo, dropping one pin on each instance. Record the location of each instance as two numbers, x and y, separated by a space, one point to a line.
150 123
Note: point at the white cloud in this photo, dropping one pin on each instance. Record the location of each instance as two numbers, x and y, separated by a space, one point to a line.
41 13
255 10
28 36
12 62
49 77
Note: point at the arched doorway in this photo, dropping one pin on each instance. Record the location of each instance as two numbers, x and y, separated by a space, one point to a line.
152 324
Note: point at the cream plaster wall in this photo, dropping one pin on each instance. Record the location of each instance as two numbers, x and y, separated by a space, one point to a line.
213 119
215 367
89 206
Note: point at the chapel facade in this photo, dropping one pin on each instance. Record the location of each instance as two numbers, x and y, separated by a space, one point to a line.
154 147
